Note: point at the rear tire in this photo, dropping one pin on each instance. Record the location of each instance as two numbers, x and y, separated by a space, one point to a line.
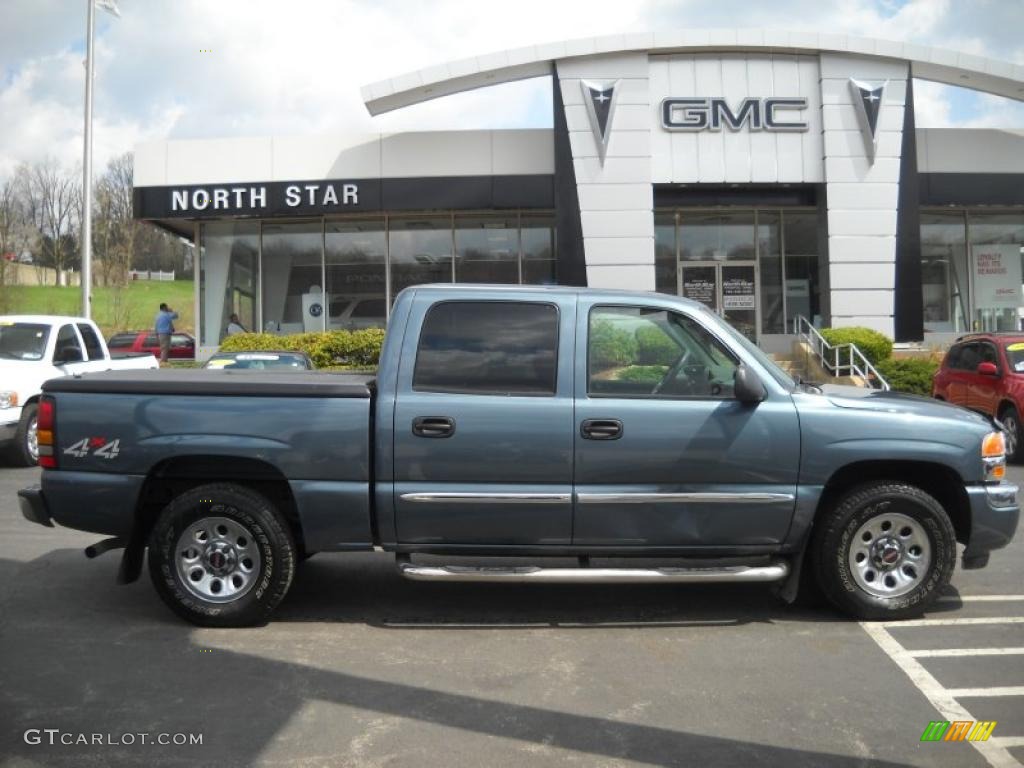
884 551
221 555
1014 439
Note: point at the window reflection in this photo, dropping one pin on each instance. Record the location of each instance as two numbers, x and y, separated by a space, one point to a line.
421 251
293 298
356 274
486 249
229 276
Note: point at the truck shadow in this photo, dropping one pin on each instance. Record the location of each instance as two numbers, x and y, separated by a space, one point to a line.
84 656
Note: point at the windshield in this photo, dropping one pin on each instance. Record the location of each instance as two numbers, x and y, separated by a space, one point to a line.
770 365
22 341
1015 356
259 361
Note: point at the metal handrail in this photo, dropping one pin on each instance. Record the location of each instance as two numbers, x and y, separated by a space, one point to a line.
856 363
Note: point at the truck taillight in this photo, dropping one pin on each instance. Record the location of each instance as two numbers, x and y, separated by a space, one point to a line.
45 417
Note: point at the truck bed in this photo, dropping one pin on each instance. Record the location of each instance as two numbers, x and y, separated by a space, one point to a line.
204 382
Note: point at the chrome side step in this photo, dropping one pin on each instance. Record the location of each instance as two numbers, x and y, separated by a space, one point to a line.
775 571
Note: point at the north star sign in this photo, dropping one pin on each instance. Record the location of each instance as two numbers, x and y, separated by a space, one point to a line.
714 113
253 198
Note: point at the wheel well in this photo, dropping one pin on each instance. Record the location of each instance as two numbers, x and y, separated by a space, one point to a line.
174 477
1002 407
938 480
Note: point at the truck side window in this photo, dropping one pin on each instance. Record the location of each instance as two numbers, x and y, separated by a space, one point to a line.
92 344
488 348
642 352
68 350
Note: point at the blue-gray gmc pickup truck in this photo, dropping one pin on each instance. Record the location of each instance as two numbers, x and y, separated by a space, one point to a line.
531 422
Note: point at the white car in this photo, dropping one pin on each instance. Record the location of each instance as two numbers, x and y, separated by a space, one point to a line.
35 348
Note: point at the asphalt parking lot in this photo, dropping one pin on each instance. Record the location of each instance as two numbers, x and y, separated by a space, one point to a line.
363 668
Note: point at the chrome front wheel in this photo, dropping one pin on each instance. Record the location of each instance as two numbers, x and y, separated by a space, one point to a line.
889 555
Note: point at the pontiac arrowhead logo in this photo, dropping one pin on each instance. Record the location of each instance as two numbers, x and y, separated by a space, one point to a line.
600 101
867 101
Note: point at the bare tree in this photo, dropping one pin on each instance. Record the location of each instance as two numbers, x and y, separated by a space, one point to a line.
52 196
116 233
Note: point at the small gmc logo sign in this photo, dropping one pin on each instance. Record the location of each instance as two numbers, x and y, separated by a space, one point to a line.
714 113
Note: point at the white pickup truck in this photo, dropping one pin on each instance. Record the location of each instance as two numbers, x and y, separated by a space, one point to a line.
35 348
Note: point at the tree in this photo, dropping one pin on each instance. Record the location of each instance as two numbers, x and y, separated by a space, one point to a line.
52 197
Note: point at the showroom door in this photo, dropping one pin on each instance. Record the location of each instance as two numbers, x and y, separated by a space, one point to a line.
728 289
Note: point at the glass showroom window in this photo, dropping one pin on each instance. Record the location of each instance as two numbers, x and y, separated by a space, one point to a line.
665 266
228 278
800 238
356 274
996 248
293 299
945 286
486 249
769 262
726 236
420 250
538 243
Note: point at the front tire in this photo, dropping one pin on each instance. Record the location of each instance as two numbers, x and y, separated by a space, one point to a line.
221 555
25 451
1014 440
885 551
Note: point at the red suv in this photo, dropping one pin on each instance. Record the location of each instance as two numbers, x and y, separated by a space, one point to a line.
985 372
183 345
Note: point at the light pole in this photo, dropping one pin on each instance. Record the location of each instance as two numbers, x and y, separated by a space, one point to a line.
86 275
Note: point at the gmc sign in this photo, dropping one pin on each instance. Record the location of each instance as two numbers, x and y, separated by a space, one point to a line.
712 114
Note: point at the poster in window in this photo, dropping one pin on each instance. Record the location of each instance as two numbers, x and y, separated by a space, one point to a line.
997 275
738 293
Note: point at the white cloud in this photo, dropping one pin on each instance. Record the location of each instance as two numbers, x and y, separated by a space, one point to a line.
295 67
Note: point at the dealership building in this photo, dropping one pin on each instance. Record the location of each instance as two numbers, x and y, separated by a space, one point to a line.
770 175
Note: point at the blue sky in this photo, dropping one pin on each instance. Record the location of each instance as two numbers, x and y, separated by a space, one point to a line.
295 67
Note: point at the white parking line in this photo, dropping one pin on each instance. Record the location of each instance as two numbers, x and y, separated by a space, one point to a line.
980 598
938 653
952 622
1008 741
1005 690
995 753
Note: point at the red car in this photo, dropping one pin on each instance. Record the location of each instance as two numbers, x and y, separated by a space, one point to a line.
985 372
183 345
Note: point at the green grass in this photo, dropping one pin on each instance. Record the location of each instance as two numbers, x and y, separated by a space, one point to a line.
132 308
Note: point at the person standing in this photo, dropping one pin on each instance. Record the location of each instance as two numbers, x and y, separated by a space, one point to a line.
235 326
164 327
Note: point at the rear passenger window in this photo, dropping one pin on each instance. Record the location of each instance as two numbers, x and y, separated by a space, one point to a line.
488 348
953 356
92 343
970 356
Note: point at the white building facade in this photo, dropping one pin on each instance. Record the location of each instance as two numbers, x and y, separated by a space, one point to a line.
769 175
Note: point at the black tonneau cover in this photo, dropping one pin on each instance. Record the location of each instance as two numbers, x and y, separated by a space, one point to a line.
216 382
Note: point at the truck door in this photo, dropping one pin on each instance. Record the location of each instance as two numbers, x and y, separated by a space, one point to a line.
483 443
665 455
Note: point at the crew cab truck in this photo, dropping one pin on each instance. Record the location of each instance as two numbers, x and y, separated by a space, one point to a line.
34 348
529 422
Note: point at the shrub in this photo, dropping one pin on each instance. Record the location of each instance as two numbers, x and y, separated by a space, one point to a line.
875 346
654 347
611 346
913 375
331 349
651 374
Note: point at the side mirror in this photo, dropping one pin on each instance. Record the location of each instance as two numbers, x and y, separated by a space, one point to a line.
987 369
747 387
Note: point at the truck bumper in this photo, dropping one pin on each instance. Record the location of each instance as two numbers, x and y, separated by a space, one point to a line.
91 501
33 506
995 511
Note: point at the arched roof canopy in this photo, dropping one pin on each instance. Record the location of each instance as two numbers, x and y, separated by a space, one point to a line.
1000 78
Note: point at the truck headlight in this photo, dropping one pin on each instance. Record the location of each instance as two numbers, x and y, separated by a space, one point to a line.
8 399
993 455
